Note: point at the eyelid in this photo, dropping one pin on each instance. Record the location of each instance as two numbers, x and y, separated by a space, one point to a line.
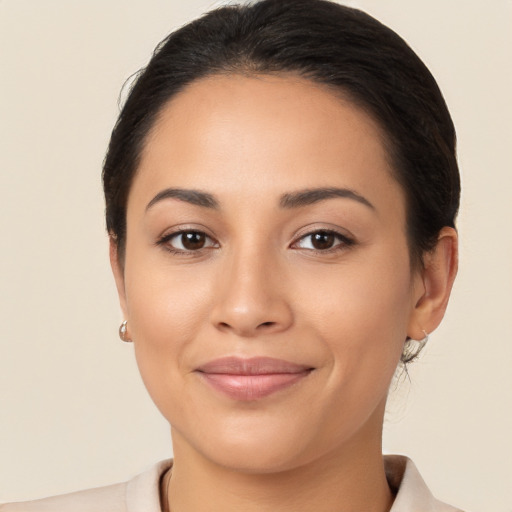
326 227
170 233
345 239
177 235
184 228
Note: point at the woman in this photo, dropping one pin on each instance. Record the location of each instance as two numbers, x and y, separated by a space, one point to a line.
281 191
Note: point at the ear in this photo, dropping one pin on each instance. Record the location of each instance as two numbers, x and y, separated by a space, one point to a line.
436 281
118 271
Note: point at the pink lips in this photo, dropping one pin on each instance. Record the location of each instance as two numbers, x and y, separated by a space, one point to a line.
251 379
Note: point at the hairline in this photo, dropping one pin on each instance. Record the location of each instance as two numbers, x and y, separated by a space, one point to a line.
341 92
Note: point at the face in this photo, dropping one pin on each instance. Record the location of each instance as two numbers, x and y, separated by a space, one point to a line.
267 283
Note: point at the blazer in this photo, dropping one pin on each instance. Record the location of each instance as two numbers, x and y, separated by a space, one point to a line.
141 494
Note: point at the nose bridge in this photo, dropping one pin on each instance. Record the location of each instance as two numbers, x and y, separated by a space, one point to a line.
251 299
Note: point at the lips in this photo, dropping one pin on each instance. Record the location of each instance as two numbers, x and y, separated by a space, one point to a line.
251 379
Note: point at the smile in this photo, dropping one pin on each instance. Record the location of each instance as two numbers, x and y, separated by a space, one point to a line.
251 379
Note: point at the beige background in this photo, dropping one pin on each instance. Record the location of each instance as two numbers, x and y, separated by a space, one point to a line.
73 412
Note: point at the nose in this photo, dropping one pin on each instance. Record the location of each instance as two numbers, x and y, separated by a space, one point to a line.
251 298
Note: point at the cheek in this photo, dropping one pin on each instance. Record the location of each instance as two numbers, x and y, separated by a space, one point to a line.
361 314
165 310
164 302
368 297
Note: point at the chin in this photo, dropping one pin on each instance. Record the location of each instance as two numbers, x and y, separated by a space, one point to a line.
255 458
251 446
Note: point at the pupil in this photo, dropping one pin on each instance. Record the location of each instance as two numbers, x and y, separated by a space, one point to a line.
323 240
193 241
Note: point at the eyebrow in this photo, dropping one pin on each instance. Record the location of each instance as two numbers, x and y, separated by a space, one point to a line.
314 195
290 200
195 197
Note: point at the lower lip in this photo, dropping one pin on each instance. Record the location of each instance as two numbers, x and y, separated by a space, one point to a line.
252 387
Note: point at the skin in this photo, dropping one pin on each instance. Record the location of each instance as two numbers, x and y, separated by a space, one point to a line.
258 288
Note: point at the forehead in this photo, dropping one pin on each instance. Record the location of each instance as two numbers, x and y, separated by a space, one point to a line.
278 132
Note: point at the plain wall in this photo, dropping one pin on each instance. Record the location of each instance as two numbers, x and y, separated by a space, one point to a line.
73 411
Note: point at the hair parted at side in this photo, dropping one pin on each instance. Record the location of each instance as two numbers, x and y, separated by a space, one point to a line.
325 42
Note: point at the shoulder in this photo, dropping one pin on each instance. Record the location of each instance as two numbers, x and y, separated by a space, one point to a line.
411 490
140 494
105 498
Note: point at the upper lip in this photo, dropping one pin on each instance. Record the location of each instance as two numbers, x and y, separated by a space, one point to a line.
251 366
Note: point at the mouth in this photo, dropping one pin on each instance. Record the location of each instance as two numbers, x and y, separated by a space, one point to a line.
251 379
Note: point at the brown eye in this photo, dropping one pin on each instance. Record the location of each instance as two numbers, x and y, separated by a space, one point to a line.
193 240
322 240
187 241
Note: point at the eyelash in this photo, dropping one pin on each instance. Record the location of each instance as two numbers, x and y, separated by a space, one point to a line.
165 240
344 242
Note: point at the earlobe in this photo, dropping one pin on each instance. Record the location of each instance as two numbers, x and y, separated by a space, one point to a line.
118 271
438 275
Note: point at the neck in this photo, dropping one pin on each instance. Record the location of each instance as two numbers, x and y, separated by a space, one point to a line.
346 480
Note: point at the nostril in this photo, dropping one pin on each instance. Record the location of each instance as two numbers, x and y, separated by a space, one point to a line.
267 324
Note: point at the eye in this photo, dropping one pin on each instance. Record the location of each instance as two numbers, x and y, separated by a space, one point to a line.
323 240
187 241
